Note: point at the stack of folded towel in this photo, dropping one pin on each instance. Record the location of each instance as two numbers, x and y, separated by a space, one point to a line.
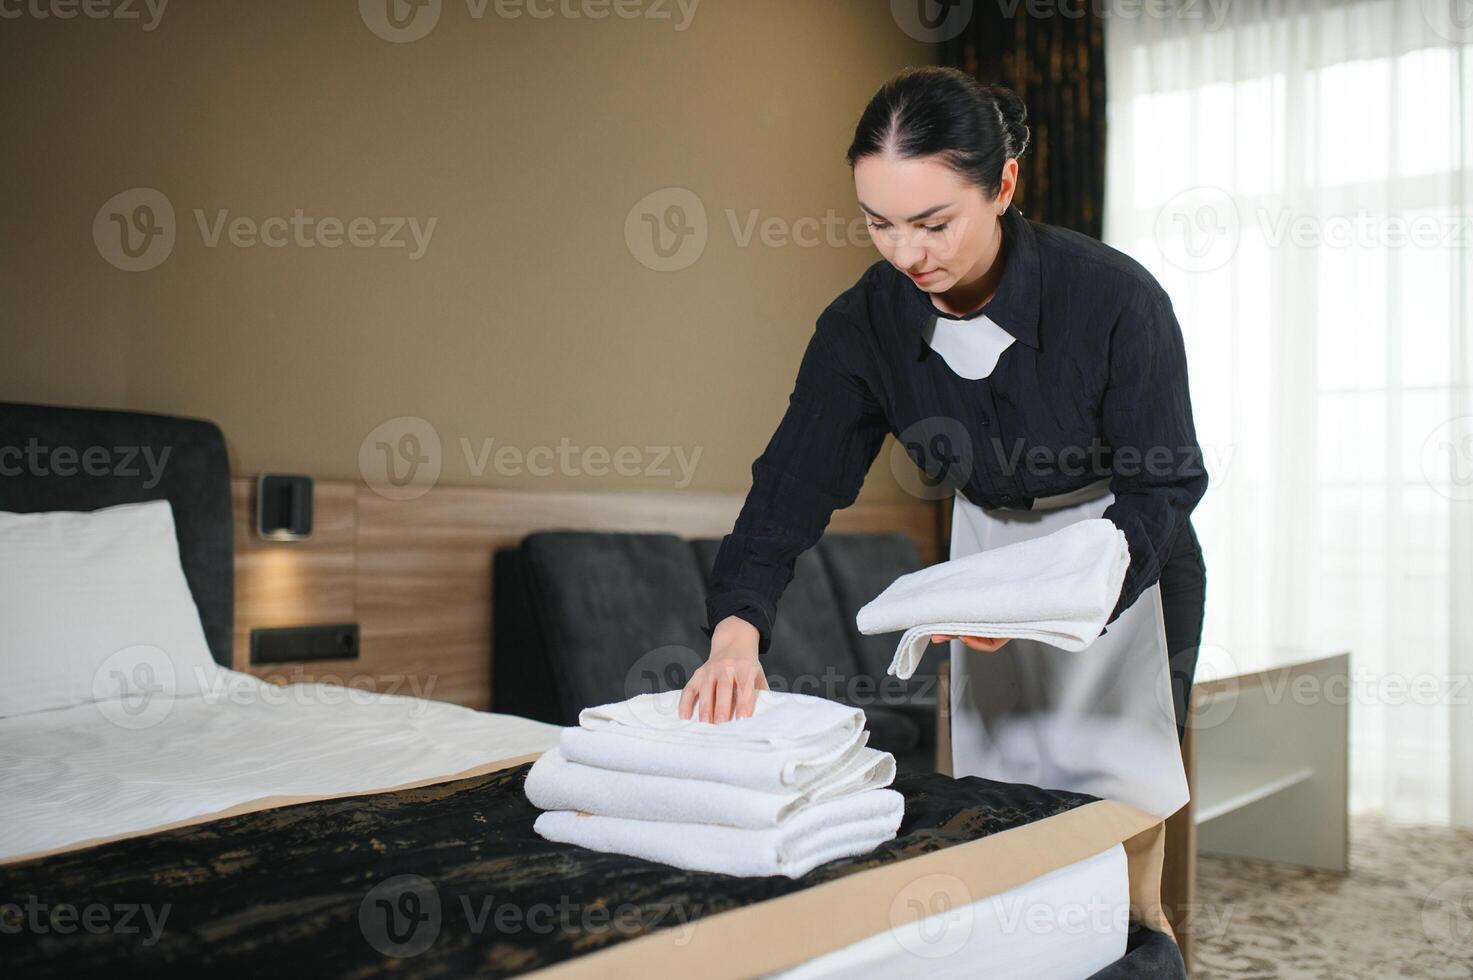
789 788
1058 588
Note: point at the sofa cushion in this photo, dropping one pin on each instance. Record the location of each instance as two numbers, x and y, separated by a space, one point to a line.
585 617
619 613
892 729
522 681
810 652
861 566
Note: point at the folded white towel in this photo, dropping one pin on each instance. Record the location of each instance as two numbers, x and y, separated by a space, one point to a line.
554 783
1058 588
771 772
779 720
790 742
824 832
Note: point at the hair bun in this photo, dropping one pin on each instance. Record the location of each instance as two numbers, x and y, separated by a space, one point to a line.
1012 111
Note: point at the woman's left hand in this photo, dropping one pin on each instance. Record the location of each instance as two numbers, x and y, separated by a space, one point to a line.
986 644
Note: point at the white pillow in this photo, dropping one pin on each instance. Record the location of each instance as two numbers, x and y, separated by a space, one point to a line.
94 606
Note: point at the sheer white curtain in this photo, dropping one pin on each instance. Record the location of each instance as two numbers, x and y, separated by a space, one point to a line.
1299 176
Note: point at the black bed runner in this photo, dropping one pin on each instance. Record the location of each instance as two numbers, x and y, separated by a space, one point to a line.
441 881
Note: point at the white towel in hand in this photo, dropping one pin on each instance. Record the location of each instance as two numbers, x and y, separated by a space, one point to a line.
554 783
1059 589
790 742
823 832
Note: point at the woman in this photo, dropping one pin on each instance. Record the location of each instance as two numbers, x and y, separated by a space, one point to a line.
1038 374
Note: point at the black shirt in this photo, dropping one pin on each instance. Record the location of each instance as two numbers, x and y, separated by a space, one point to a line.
1094 387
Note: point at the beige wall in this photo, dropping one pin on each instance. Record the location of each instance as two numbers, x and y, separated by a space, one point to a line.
528 320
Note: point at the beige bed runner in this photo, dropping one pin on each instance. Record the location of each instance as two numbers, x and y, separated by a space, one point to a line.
783 932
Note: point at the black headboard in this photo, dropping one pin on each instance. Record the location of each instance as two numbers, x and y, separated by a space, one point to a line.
54 458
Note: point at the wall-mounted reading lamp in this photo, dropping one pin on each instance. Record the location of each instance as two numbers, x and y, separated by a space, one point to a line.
283 506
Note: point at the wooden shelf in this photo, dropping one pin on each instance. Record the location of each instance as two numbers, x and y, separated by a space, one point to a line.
1270 769
1225 785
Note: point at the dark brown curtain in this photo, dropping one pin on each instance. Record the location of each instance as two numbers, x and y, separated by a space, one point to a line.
1056 62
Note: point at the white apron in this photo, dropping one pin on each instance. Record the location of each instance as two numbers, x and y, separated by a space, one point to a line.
1099 721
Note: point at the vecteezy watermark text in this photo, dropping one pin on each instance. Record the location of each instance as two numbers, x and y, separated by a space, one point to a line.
933 457
404 915
40 918
648 461
667 230
401 459
1200 228
306 231
36 458
135 230
670 668
936 21
404 21
147 12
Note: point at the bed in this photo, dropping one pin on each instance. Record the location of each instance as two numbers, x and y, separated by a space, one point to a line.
346 833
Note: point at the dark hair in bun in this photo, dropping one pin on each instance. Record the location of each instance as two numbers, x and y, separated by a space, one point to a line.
945 111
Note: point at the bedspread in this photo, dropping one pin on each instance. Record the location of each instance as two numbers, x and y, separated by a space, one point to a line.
449 880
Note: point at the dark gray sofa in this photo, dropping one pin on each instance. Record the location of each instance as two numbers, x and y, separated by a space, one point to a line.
588 617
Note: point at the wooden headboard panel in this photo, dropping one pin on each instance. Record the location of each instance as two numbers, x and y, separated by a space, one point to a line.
416 575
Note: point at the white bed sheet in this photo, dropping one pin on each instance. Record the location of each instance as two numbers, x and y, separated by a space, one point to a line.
92 770
1069 923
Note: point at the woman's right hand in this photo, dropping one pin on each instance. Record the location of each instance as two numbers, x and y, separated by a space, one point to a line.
725 687
987 644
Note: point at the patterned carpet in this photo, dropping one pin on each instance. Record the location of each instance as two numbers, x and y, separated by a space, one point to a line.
1405 910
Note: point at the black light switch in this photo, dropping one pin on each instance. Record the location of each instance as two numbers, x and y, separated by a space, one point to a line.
293 643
